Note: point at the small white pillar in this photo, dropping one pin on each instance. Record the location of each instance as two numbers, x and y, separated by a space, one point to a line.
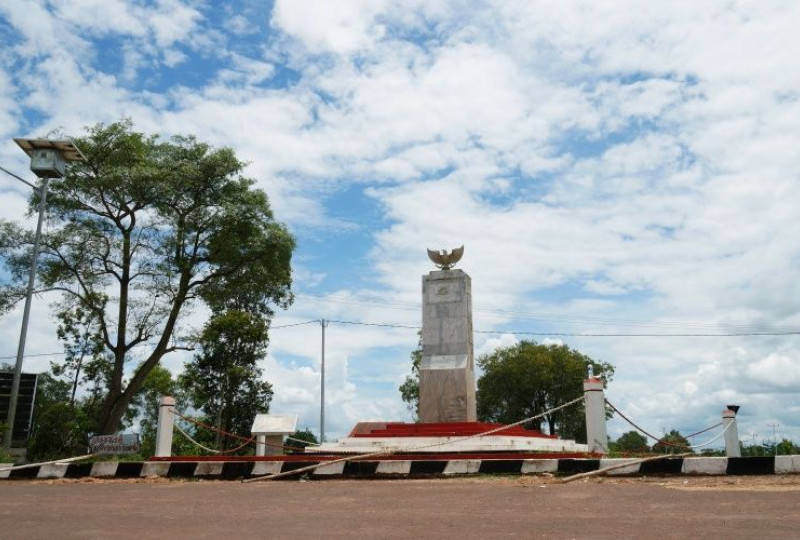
269 431
166 422
594 398
731 431
260 445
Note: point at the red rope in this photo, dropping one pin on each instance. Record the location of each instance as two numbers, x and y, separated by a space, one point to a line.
247 440
662 441
704 430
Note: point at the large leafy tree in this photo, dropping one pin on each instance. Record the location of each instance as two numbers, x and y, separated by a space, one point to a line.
530 378
138 233
224 380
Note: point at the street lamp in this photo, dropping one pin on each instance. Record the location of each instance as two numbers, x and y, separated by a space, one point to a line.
48 160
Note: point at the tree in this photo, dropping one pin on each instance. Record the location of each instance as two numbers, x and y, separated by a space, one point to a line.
530 378
84 350
157 384
409 390
632 441
672 443
787 447
224 380
59 427
141 231
301 435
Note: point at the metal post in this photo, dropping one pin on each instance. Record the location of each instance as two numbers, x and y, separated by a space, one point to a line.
12 403
166 424
323 323
774 438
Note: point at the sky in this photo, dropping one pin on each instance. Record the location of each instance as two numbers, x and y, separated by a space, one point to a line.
611 168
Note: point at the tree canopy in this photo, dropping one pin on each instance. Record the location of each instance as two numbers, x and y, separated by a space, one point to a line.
224 380
631 441
672 443
530 378
141 231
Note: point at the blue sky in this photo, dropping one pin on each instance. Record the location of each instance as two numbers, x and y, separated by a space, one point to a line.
611 168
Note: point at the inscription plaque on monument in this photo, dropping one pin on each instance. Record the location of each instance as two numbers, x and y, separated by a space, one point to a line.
447 371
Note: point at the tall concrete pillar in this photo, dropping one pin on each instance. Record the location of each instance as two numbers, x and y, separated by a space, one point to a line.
447 370
166 422
594 397
731 432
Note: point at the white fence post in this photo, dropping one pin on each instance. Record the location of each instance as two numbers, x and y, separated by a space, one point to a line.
166 422
731 431
596 436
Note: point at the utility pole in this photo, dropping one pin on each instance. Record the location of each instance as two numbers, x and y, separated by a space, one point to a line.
322 323
774 437
48 160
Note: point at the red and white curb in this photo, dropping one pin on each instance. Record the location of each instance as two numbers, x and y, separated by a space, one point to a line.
409 468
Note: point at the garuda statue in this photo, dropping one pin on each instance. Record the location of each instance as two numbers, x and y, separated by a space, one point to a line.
446 260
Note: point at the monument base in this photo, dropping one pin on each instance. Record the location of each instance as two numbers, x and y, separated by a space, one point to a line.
433 438
447 395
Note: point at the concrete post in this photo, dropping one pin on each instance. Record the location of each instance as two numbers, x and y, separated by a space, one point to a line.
731 433
596 436
260 446
166 422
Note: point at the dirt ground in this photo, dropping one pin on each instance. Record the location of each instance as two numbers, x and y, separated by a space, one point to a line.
475 507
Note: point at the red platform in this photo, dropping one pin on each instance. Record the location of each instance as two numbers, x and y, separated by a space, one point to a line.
441 429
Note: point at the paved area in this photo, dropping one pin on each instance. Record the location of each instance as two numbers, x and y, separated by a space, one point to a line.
482 507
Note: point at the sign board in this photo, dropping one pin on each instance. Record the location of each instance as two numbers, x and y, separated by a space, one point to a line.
125 443
24 414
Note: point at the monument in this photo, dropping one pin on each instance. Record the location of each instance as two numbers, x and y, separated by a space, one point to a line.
447 408
447 370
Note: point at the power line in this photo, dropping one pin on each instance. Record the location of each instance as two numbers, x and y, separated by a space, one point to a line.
295 324
33 355
571 334
745 329
376 324
510 332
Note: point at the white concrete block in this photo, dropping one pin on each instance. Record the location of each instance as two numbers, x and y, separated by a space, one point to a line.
52 470
705 465
537 466
208 468
787 464
399 466
631 469
462 466
104 468
4 474
154 468
329 469
262 468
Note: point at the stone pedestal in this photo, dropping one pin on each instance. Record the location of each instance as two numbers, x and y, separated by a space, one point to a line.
447 371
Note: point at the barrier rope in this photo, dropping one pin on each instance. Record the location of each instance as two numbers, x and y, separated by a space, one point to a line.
215 429
389 452
667 443
704 430
307 443
30 465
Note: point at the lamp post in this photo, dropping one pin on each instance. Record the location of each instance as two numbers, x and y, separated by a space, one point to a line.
48 160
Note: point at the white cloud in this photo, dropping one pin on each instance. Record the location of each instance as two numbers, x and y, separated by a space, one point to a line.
778 370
